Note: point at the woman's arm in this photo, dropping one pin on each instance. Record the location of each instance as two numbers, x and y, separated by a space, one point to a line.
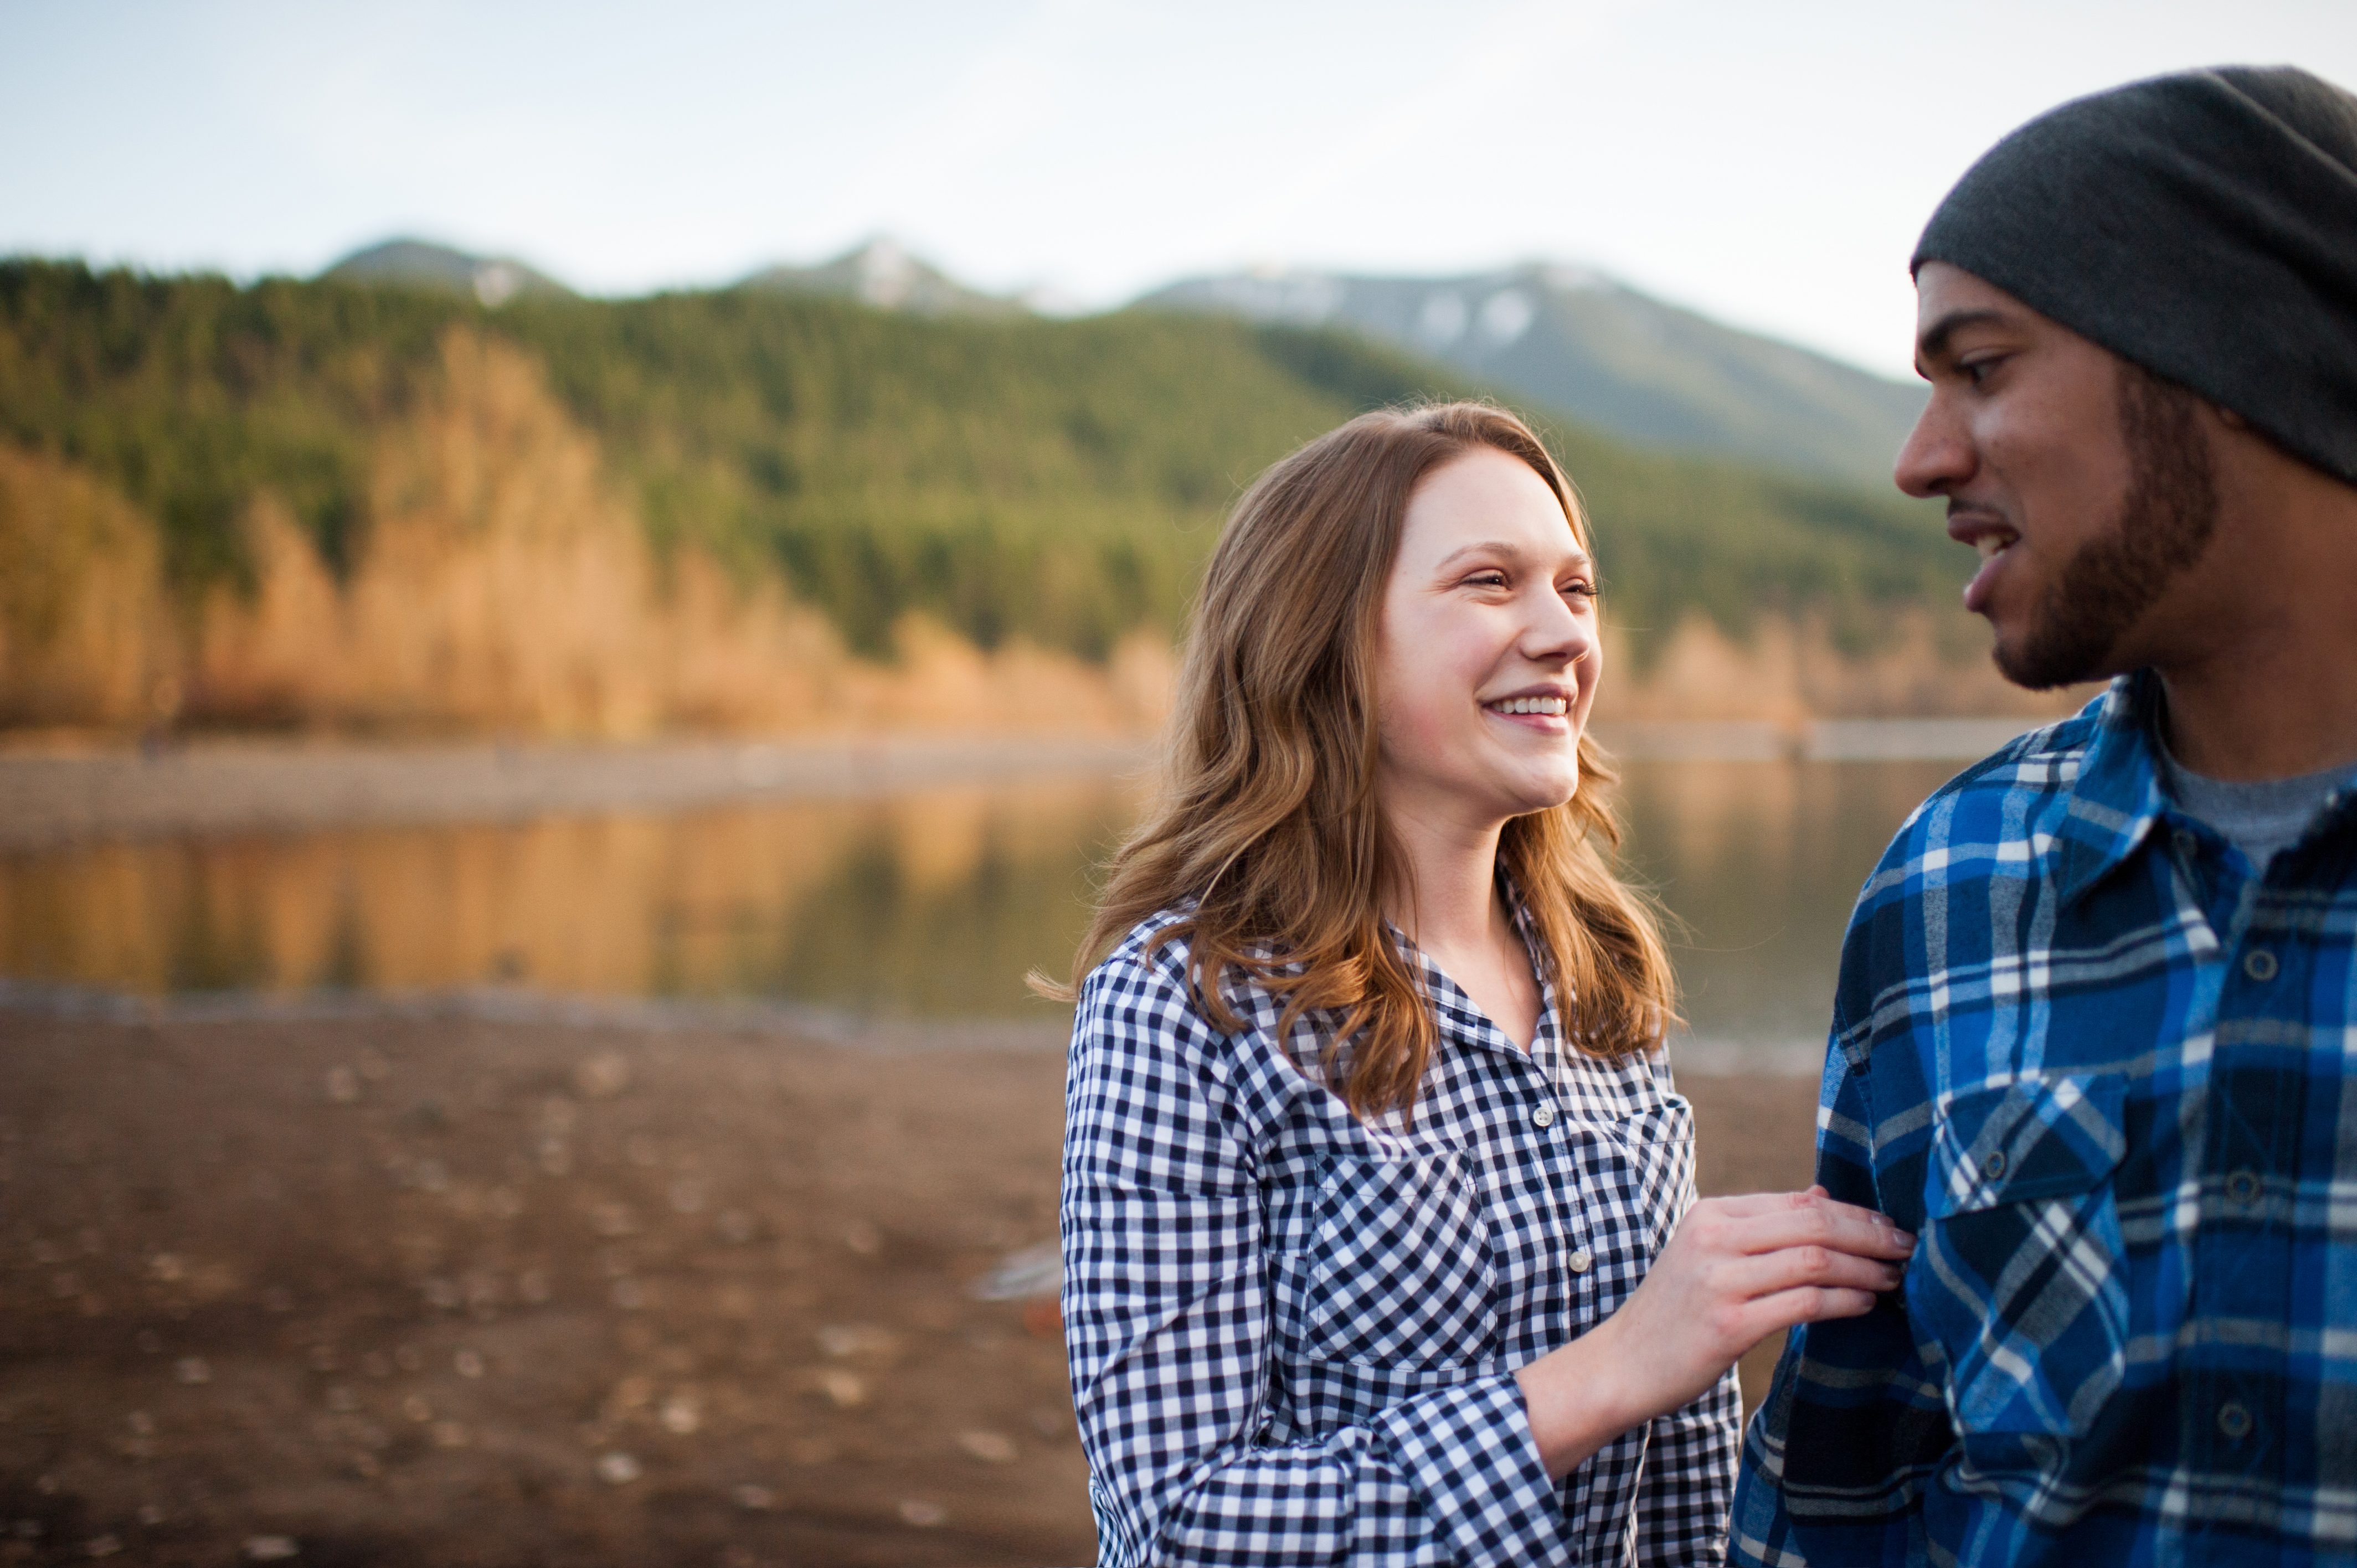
1168 1330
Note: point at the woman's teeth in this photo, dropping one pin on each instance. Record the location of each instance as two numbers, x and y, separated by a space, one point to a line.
1558 706
1992 545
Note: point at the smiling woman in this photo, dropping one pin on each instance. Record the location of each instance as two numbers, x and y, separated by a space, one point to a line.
1379 1234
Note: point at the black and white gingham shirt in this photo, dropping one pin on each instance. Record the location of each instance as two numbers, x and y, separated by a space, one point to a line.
1292 1335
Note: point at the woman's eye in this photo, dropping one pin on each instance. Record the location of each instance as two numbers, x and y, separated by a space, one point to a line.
1488 579
1581 590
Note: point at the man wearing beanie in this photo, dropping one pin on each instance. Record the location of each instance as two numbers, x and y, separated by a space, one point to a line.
2095 1035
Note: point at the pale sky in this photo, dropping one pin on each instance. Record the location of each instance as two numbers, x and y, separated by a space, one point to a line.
1768 163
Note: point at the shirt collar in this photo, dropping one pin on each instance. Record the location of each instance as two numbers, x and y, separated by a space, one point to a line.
1459 1018
2120 793
2118 796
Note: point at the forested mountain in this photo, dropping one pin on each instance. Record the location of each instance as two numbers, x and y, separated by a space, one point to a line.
1052 483
1560 337
422 264
1604 354
1059 479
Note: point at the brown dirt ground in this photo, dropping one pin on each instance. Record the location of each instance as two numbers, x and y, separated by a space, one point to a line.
407 1290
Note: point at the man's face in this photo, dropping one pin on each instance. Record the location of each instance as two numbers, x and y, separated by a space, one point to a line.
2084 482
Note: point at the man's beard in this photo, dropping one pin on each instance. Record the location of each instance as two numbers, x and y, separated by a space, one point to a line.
2162 527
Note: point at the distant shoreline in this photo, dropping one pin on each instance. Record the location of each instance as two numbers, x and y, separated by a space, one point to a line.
51 797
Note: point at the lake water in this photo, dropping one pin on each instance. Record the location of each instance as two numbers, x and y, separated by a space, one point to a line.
925 905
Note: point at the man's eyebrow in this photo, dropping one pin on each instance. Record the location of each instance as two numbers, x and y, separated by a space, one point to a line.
1933 343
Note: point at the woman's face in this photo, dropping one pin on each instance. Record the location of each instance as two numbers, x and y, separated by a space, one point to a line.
1489 655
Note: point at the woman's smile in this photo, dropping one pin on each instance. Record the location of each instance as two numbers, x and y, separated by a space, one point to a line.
1547 711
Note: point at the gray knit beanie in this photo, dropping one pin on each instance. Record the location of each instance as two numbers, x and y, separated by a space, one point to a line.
2202 225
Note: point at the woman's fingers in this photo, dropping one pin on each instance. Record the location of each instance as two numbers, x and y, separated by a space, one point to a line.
1766 1222
1860 1231
1804 1303
1766 1273
1816 1200
1750 1204
1755 1320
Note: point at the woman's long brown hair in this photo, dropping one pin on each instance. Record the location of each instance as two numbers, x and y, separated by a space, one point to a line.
1267 817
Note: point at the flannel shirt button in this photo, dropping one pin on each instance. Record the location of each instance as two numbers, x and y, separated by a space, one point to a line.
2187 844
1544 1116
2243 1186
1582 1261
2259 964
1993 1163
2234 1421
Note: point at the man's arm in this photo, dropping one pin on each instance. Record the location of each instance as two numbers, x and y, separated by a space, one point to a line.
1855 1422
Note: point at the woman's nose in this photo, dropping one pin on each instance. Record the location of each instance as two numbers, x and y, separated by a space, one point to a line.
1560 632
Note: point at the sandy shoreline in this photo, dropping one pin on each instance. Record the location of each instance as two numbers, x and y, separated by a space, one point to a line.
448 1289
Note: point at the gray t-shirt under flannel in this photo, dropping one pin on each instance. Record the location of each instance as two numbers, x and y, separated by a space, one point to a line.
2258 818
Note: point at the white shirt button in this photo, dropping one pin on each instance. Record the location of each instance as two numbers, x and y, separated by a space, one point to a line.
1544 1116
1581 1261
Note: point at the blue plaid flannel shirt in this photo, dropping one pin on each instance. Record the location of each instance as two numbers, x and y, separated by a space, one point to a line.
2104 1071
1292 1335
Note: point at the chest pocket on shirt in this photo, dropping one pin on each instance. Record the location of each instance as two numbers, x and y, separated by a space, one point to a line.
1659 1140
2022 1278
1400 1273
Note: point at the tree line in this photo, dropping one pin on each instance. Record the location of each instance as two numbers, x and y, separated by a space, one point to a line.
1054 481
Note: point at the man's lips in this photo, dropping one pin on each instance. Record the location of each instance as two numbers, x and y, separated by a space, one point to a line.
1995 540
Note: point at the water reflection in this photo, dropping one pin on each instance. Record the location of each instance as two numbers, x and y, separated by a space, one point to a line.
931 902
1760 862
928 902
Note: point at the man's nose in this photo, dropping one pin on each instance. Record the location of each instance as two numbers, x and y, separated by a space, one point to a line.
1937 455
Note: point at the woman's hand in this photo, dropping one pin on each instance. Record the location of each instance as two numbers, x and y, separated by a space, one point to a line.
1738 1269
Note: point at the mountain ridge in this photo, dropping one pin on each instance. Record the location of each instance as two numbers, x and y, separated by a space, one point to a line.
1566 338
1613 356
428 264
884 273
